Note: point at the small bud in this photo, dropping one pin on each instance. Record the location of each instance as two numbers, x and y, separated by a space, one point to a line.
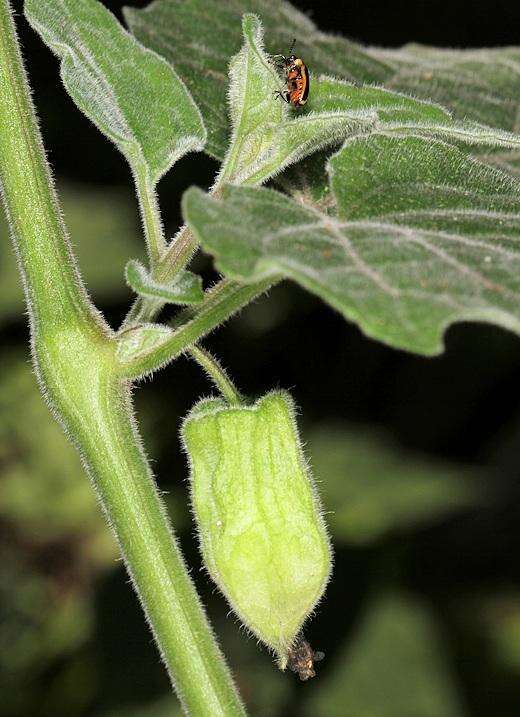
261 531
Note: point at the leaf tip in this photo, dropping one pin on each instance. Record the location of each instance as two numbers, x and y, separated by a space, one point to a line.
191 198
252 28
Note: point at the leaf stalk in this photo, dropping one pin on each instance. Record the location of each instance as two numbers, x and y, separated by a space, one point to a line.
150 214
217 374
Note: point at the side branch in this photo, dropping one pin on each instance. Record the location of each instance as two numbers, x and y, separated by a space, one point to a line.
222 301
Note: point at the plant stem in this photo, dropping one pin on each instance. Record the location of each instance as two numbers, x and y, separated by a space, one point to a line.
217 374
32 205
177 253
74 355
150 215
173 259
153 559
222 301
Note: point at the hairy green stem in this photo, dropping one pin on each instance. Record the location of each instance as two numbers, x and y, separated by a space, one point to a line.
150 215
174 258
222 301
217 374
177 254
74 355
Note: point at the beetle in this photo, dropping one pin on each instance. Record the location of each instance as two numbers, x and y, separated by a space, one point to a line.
296 77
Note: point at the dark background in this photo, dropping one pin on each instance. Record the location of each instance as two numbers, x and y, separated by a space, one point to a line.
462 408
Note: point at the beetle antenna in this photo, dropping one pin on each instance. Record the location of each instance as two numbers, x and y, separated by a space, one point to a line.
292 46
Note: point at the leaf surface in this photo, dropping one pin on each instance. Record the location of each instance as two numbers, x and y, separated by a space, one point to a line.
395 664
129 92
424 237
371 487
200 37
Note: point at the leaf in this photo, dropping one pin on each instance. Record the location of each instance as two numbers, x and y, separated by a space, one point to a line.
201 36
131 94
425 237
495 616
140 340
394 666
186 289
397 115
370 103
478 85
102 224
481 85
370 487
267 135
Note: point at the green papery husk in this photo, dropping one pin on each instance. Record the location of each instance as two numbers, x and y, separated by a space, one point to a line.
259 519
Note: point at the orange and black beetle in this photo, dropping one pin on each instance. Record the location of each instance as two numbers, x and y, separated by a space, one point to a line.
297 78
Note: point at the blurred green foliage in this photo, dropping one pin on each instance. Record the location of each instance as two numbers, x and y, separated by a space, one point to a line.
371 487
43 489
55 540
502 629
394 666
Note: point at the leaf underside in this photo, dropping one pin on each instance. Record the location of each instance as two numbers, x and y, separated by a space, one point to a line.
422 237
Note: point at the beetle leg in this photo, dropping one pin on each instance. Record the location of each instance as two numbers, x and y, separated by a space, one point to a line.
282 62
283 94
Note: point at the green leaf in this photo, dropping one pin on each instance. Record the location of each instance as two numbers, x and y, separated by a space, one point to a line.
200 37
370 487
478 85
266 134
131 94
371 104
425 237
186 289
494 614
394 666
